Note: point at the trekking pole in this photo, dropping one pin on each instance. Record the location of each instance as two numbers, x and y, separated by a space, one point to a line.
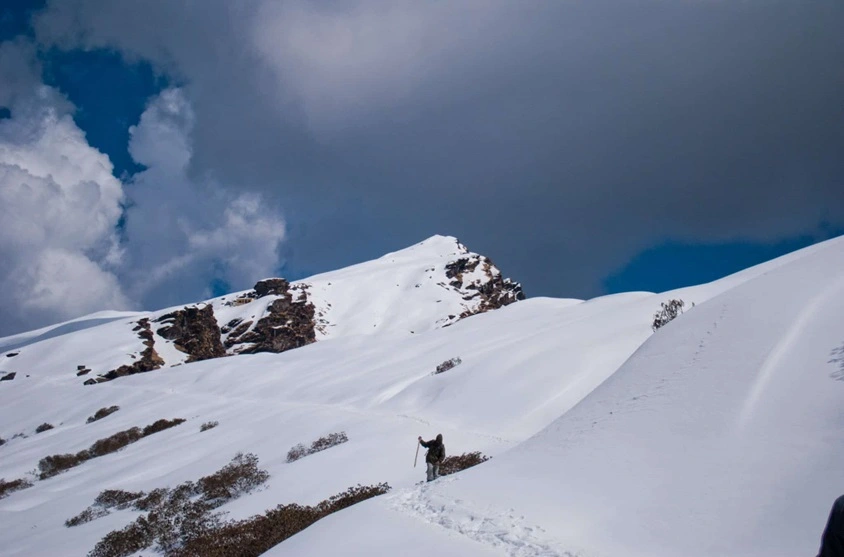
417 454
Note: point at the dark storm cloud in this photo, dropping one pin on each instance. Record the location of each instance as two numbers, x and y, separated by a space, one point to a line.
558 137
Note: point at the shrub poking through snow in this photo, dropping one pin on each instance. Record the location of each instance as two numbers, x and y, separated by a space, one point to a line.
161 425
182 522
239 476
667 313
208 425
7 488
454 464
117 498
300 451
254 536
51 465
175 515
102 413
43 427
89 514
447 365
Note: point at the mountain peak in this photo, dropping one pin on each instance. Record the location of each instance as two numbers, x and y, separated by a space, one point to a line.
426 286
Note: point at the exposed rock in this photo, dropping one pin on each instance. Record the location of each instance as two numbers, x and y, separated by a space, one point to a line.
148 361
194 331
455 269
82 372
227 328
492 291
12 354
242 327
272 286
288 323
8 376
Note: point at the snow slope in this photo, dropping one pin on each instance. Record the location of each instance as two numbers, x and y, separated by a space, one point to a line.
401 293
721 435
718 435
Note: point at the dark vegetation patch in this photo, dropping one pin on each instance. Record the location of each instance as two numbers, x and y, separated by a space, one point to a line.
51 465
300 451
453 464
7 488
183 521
208 425
256 535
447 365
102 413
161 425
43 427
668 312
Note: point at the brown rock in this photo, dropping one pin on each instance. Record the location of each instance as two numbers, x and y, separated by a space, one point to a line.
273 286
194 331
289 324
148 361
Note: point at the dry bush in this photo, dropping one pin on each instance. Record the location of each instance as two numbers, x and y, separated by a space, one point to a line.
667 313
454 464
296 452
117 498
43 427
447 365
131 539
89 514
161 425
7 488
183 513
256 535
105 501
51 465
239 476
102 413
300 451
151 499
208 425
114 443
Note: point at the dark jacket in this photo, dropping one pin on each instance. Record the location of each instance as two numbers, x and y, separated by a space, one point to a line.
436 450
832 542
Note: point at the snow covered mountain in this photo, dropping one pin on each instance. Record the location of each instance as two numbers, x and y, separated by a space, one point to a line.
720 434
432 284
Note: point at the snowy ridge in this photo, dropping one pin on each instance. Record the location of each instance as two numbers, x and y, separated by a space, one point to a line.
717 435
406 292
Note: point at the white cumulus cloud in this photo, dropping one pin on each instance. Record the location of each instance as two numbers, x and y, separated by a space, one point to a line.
60 206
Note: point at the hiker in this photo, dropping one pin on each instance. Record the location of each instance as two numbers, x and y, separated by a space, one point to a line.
435 455
832 542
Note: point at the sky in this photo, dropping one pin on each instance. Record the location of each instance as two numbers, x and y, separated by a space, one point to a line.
158 152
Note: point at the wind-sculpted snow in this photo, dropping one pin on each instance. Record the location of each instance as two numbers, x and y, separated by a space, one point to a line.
720 434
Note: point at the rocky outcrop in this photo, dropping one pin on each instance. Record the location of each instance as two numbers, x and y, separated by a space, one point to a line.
287 324
8 376
486 288
194 331
149 359
271 287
